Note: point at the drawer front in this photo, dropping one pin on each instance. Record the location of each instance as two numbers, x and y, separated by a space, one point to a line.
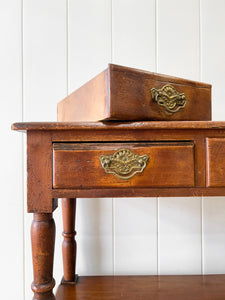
107 165
137 95
215 162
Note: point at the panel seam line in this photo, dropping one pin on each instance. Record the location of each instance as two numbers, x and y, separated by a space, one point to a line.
111 29
22 143
157 220
113 234
67 47
202 238
200 40
156 35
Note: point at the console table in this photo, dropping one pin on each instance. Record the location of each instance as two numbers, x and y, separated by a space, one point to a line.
139 159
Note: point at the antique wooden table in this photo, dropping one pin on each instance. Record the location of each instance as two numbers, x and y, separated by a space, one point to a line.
141 159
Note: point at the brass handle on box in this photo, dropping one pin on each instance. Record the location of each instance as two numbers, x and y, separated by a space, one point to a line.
124 164
169 98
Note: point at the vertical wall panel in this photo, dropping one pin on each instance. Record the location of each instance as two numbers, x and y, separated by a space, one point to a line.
179 236
173 47
133 33
89 52
213 71
89 37
94 236
178 38
213 235
45 83
135 230
11 214
178 32
213 49
135 236
44 58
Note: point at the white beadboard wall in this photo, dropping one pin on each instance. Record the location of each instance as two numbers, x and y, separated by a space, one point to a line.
50 48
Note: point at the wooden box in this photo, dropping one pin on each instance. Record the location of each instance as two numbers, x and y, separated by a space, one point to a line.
121 93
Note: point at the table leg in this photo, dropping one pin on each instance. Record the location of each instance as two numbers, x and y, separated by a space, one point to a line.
69 247
43 243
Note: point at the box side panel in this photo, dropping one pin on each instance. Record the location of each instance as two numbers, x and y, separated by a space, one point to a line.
131 97
88 103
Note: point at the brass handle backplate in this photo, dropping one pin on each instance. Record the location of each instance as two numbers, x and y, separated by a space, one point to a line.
169 98
124 164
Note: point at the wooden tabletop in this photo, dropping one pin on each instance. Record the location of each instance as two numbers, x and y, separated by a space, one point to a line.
25 126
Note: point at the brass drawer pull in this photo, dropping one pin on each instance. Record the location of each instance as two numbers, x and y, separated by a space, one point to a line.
124 164
169 98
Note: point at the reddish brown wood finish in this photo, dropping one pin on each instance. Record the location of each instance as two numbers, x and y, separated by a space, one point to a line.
39 173
121 93
171 164
216 162
119 126
43 241
204 139
196 132
95 91
139 192
69 247
210 287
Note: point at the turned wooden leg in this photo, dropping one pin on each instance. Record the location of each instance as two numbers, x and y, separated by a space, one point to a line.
43 242
69 247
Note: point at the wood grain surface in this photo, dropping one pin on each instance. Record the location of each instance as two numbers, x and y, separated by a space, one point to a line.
216 162
170 164
39 173
69 245
74 179
122 93
63 162
43 244
167 125
210 287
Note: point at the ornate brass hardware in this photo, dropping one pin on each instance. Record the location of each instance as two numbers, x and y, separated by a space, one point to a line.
169 98
124 164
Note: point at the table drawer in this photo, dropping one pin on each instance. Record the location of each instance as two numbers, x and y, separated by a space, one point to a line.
215 162
114 165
